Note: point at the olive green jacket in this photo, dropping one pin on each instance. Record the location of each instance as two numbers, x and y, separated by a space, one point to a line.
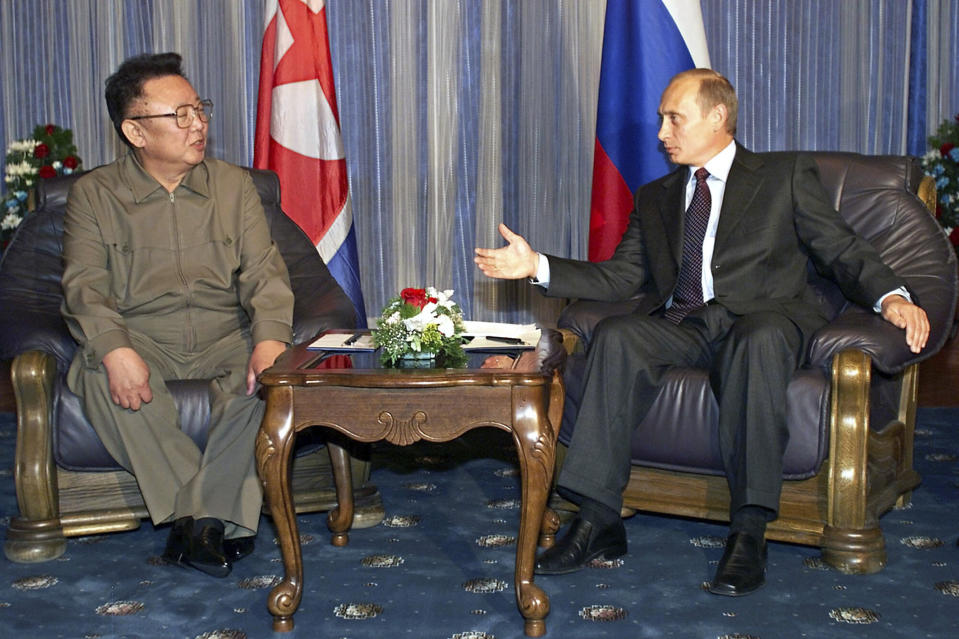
184 268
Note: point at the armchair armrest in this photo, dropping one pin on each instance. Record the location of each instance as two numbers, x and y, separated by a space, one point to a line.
24 329
865 331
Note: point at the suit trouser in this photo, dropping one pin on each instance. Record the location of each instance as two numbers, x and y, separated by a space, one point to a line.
751 360
175 477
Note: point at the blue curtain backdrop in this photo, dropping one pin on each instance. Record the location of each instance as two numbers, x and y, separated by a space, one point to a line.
459 114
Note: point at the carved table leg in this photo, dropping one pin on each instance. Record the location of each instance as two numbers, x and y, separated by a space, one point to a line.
536 444
340 518
547 531
274 447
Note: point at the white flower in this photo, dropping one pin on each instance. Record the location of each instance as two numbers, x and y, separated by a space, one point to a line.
394 318
932 155
10 221
444 324
22 146
419 322
20 169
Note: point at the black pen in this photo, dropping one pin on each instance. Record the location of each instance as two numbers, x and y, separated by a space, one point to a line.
353 338
505 340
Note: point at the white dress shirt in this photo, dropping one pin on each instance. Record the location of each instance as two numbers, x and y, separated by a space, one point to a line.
718 167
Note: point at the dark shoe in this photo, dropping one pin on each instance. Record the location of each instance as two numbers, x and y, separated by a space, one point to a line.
178 543
742 568
238 548
582 544
206 548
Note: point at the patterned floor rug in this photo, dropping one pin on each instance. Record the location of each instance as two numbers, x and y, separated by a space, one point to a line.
441 563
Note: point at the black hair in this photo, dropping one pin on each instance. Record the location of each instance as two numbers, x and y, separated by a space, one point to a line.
126 84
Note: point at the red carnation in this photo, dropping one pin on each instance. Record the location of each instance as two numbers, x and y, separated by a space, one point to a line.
41 150
50 129
71 162
47 171
954 236
414 297
957 117
945 148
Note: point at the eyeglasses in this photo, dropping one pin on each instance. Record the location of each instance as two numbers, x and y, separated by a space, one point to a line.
184 114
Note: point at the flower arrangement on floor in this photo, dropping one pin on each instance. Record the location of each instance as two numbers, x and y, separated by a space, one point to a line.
48 153
942 163
420 323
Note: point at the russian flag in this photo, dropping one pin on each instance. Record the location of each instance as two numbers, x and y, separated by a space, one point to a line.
644 45
298 135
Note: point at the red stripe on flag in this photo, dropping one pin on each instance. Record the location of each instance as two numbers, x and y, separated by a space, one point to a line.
312 191
609 207
309 57
264 102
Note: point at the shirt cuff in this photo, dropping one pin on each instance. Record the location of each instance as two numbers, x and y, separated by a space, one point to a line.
271 329
97 348
542 272
899 291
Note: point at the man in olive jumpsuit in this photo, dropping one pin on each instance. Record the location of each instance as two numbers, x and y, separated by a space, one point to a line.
171 273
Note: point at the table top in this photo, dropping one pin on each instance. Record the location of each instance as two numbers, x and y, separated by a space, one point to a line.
301 366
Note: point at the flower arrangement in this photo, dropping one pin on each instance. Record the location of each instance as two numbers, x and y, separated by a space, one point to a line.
48 153
942 163
420 322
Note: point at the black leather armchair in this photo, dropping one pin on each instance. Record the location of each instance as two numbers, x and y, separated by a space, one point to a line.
66 482
851 408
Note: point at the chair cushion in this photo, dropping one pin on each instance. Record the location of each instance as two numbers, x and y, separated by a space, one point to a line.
680 433
76 445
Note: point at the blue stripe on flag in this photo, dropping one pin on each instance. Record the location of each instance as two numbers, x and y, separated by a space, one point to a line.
642 50
343 266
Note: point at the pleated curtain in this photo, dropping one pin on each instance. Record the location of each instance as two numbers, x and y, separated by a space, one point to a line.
461 114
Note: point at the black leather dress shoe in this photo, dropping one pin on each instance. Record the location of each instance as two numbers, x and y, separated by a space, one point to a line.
236 549
742 569
178 543
198 545
582 544
206 548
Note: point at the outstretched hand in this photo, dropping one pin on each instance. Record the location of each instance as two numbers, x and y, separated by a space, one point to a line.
902 313
514 261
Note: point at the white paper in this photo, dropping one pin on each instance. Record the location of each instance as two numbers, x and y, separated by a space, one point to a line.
482 331
337 342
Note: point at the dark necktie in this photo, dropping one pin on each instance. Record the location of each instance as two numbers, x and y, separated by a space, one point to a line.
688 295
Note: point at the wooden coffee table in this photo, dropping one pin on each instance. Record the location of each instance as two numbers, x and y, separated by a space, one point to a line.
403 407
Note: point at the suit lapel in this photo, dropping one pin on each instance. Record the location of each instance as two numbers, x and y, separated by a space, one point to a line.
672 216
743 183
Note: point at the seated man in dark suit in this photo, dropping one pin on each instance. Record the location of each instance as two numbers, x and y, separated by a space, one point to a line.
720 246
170 272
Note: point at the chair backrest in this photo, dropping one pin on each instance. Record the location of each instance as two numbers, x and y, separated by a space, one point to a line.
877 196
31 268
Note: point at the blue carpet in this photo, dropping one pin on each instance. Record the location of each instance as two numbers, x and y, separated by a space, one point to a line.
441 566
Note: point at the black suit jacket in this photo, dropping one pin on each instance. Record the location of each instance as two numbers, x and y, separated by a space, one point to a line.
775 217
